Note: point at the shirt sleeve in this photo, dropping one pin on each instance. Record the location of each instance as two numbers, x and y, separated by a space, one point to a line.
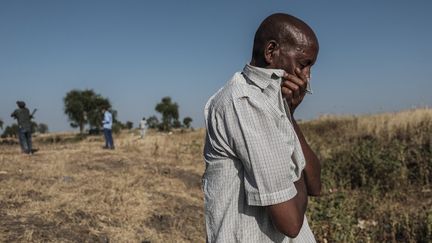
255 135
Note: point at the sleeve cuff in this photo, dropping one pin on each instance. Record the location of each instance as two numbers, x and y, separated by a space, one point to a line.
256 199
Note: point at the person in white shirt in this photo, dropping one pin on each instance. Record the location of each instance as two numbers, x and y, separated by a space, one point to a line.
143 127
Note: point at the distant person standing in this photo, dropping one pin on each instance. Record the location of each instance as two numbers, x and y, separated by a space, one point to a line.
107 127
143 127
23 116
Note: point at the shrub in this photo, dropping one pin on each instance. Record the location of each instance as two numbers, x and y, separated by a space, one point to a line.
377 174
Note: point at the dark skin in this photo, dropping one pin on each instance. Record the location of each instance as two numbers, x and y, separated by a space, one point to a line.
285 42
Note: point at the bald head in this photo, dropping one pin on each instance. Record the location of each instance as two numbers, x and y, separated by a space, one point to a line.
282 29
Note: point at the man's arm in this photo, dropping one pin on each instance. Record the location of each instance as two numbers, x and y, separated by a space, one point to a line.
257 142
32 114
288 216
294 90
312 170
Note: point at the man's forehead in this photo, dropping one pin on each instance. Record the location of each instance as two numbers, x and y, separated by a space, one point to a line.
300 35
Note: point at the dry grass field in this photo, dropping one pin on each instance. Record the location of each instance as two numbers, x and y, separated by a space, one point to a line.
377 175
144 191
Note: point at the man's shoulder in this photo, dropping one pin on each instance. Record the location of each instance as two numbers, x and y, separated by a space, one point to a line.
237 87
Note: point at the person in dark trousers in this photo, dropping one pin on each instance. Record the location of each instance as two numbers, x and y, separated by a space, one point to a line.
107 128
23 116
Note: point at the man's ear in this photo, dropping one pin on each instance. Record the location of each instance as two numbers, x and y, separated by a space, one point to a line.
270 50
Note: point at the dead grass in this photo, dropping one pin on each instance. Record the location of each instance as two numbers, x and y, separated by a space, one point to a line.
145 190
386 125
149 190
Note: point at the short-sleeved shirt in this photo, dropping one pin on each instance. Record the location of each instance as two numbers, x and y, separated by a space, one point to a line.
23 117
252 156
108 120
143 124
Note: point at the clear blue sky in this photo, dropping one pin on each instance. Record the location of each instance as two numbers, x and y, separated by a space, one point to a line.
374 55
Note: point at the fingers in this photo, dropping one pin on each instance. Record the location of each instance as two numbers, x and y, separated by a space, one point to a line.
292 89
287 93
294 86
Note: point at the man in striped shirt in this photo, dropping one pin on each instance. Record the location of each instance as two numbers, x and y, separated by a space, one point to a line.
259 168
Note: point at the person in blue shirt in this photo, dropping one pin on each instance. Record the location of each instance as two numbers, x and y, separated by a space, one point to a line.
107 128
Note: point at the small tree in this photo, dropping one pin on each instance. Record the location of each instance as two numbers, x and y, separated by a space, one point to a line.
42 128
117 126
95 115
170 114
153 122
187 122
85 107
10 131
177 124
129 125
1 124
34 126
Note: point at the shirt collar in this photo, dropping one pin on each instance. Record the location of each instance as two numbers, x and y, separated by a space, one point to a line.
262 76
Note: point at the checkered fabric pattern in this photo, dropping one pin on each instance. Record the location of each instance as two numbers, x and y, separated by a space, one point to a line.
252 157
